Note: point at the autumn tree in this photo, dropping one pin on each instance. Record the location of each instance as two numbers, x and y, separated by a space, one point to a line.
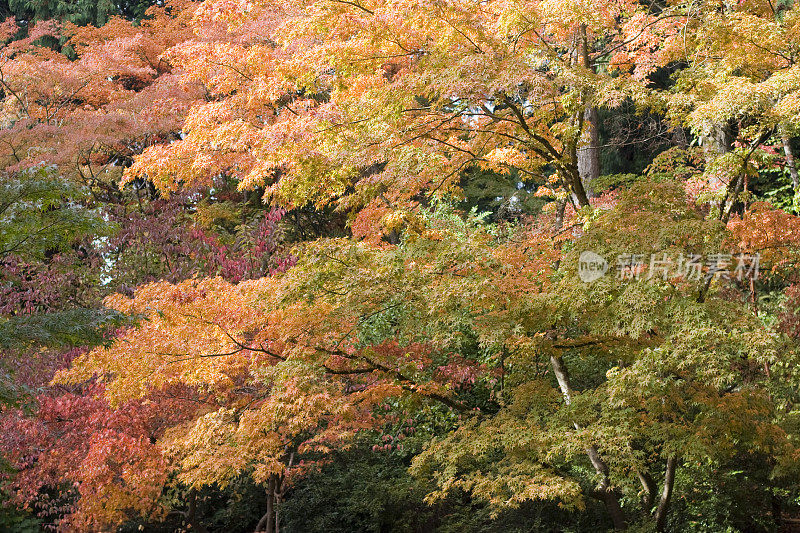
70 234
310 101
118 96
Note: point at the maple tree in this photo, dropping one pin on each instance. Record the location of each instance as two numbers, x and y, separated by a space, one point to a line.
70 127
460 344
447 282
118 95
314 112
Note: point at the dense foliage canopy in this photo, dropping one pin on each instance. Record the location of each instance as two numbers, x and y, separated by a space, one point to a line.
400 265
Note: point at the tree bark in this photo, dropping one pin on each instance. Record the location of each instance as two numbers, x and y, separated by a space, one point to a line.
588 152
716 143
561 206
570 171
268 524
578 193
666 493
790 162
262 523
604 489
649 487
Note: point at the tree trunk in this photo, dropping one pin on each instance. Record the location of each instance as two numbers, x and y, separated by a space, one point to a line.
649 487
570 171
666 494
790 163
588 152
262 523
578 193
716 143
267 524
561 206
604 489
